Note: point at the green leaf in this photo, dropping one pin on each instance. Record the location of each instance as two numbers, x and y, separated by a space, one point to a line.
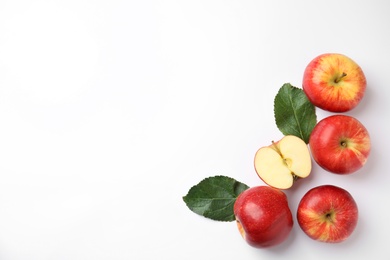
214 197
294 113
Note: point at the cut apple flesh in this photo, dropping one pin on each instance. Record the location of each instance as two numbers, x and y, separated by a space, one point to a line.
272 169
296 153
278 164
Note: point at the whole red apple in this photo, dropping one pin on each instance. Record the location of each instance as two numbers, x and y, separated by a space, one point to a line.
328 214
263 216
340 144
334 82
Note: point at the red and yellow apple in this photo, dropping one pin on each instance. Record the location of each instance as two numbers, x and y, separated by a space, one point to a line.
263 216
340 144
327 213
282 162
334 82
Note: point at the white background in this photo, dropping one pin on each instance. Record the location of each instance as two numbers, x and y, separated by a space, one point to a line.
111 110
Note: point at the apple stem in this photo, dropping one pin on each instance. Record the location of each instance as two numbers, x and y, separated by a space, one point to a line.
337 80
344 143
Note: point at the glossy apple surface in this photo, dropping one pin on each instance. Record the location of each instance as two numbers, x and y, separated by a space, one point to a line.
282 162
263 216
334 82
340 144
328 214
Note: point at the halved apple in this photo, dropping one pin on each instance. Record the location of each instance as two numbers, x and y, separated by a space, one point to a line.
281 163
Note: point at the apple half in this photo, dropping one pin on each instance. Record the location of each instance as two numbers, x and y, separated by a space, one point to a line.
283 162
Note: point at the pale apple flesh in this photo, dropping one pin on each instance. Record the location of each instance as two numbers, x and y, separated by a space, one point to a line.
272 169
281 163
328 214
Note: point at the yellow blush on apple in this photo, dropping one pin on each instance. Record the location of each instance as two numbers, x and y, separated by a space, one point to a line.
334 82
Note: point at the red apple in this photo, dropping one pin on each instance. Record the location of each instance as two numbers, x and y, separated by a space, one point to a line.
263 216
328 214
334 82
340 144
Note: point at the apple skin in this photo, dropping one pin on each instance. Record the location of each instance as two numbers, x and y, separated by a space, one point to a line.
327 213
340 144
334 82
263 216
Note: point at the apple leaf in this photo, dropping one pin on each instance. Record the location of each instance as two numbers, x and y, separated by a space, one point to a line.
294 113
214 197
